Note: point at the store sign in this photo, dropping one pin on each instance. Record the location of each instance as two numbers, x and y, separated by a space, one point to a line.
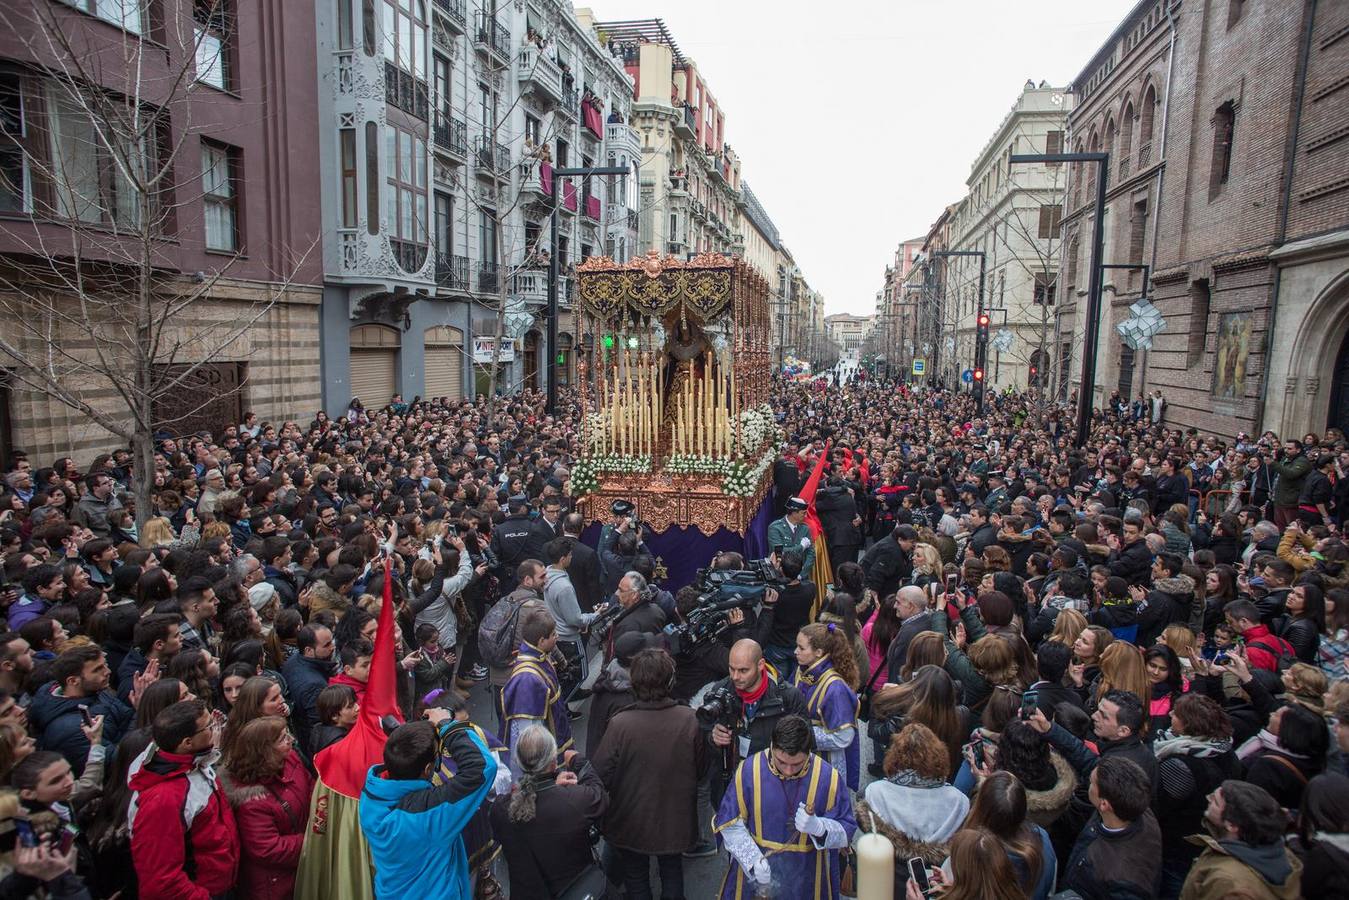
482 351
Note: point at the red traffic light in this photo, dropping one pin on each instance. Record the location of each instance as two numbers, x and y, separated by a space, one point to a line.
978 374
1032 370
983 320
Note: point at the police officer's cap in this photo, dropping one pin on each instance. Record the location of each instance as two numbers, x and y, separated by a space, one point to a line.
796 504
622 507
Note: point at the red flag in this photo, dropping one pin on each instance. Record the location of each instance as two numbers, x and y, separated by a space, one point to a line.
334 861
342 766
808 492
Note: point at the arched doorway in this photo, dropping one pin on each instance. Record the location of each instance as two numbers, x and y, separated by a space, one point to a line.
374 364
532 361
1339 400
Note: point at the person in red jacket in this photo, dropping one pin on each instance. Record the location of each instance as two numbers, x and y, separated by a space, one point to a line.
1263 648
184 843
269 787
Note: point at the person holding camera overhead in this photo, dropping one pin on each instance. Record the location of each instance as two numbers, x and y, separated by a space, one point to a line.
790 614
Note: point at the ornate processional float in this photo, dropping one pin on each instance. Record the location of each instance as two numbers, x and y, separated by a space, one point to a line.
674 390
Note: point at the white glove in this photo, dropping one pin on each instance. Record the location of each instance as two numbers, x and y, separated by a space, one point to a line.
763 875
808 824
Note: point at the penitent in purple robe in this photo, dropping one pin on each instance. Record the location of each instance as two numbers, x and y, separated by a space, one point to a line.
833 708
532 693
766 804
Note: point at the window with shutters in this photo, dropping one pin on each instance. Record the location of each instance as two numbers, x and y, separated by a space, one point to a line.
372 177
1051 214
1046 284
1224 127
16 188
1054 144
1198 337
347 141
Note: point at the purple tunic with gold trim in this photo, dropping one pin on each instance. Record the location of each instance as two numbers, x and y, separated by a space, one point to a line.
833 707
481 847
766 804
532 693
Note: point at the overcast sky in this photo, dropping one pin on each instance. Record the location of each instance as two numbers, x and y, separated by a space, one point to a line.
856 122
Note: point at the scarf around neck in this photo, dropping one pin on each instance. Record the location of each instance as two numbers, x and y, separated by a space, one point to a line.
1169 744
910 778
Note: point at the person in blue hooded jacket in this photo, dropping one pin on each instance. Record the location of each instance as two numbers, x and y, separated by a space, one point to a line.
403 812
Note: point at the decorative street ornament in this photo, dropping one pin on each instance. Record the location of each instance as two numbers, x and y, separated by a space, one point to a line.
1003 340
1138 330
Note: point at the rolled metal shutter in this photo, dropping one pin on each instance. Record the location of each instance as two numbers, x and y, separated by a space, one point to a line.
444 366
373 376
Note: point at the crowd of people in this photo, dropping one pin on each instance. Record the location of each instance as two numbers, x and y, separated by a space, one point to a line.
1117 670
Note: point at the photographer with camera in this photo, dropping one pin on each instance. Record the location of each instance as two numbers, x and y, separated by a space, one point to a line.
640 613
791 613
738 712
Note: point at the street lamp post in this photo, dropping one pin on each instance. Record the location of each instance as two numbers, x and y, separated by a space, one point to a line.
1087 392
553 275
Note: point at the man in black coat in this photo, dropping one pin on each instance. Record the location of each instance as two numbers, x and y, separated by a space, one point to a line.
915 618
1130 557
761 703
836 506
584 570
983 531
545 528
787 478
889 562
640 613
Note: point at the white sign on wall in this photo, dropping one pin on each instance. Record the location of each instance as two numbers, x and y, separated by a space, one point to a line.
482 350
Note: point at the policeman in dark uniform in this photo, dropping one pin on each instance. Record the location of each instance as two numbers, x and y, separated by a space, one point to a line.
510 542
621 510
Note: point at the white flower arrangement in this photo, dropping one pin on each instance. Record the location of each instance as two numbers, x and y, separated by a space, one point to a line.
585 474
592 432
696 464
742 480
758 426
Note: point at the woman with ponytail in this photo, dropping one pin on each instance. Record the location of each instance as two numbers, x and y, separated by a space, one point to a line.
544 826
827 676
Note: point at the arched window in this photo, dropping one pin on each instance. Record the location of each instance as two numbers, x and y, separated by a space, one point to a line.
1126 137
1145 114
1093 146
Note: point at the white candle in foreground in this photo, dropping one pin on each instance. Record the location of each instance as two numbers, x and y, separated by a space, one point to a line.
875 867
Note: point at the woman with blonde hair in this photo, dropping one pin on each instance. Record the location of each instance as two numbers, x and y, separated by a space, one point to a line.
1181 640
1068 624
927 568
827 676
158 532
1306 685
1123 669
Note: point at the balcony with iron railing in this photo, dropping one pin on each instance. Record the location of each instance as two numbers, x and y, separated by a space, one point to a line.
539 73
406 92
698 209
451 136
1123 167
452 271
490 158
622 138
617 216
1144 154
454 14
488 277
490 37
686 126
675 248
569 106
536 179
410 255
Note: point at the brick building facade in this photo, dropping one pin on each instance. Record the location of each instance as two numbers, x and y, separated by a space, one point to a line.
1226 125
234 219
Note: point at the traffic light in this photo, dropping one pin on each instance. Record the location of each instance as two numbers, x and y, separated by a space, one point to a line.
978 376
983 326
